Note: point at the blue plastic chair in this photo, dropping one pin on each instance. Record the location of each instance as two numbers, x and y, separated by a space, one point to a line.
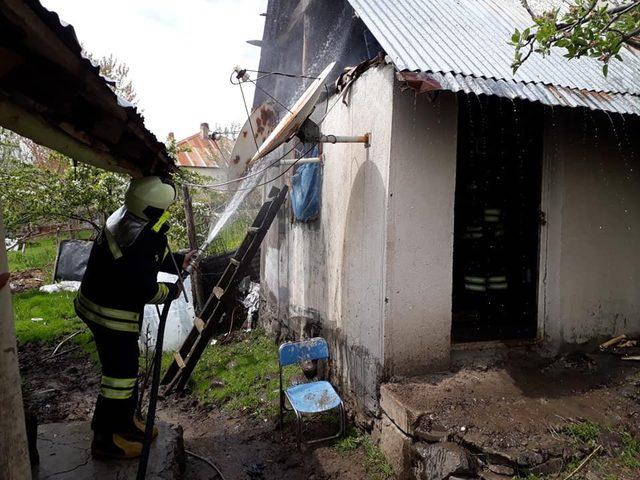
308 398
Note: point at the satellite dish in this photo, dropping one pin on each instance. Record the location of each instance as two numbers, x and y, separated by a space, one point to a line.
253 134
293 120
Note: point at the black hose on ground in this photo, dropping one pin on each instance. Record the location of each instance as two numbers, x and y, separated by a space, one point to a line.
207 461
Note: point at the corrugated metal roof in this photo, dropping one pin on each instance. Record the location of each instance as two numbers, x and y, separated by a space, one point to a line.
623 103
195 151
467 42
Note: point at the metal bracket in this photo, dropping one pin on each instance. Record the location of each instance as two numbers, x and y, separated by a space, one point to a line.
309 132
300 161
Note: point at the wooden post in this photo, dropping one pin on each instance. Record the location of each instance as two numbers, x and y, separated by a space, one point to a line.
14 451
196 287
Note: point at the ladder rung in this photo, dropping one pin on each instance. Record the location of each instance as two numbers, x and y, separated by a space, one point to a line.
180 370
218 292
273 192
179 360
199 324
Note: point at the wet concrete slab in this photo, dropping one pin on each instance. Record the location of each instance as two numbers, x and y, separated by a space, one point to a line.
65 454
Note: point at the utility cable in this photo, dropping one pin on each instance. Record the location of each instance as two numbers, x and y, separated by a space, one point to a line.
282 74
246 109
269 95
249 175
224 156
280 175
207 461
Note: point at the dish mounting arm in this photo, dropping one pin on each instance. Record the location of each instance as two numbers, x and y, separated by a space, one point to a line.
309 132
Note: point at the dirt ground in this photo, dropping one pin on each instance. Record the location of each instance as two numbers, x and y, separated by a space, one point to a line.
58 389
524 410
26 280
252 449
64 389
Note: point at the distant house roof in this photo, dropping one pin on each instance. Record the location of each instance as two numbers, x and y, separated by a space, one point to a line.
51 93
462 45
195 151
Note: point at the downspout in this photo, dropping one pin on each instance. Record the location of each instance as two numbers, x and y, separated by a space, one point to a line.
14 451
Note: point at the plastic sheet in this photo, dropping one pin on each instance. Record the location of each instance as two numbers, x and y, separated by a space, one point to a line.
71 261
64 286
306 192
179 320
251 302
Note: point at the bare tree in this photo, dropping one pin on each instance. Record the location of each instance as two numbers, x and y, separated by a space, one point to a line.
118 72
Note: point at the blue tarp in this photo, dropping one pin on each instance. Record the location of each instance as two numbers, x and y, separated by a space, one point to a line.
305 192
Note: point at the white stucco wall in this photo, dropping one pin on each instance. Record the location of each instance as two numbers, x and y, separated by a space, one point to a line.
328 276
420 233
590 255
373 274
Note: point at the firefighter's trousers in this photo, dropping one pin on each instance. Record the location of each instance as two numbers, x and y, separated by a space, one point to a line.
116 404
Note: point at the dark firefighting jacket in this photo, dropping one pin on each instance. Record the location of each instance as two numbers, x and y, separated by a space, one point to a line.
120 280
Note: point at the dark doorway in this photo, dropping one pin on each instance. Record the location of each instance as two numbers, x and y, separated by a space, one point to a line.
497 219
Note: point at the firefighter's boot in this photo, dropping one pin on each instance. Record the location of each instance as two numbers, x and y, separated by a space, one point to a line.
114 445
137 433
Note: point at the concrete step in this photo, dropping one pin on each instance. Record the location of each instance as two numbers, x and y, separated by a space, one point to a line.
65 454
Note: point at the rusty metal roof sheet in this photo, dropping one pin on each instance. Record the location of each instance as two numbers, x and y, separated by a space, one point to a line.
195 151
61 99
622 103
466 43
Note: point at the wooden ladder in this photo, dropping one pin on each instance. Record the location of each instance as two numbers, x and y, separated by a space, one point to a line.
186 358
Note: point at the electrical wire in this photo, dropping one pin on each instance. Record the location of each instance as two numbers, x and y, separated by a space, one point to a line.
246 109
269 95
249 175
267 74
280 175
224 157
244 177
282 74
207 461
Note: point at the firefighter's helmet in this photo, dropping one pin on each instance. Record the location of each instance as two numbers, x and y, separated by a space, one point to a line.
149 197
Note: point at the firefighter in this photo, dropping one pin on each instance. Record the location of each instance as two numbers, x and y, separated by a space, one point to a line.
120 278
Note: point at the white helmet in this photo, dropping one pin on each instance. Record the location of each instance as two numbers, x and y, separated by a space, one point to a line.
149 197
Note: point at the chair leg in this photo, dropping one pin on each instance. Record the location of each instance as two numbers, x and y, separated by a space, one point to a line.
299 428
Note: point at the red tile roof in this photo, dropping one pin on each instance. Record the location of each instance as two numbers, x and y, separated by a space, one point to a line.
194 151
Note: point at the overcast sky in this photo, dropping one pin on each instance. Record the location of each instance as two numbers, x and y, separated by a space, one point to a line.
180 53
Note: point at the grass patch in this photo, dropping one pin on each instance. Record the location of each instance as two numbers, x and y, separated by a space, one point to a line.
40 254
630 451
585 432
231 236
625 463
376 465
56 311
58 320
240 376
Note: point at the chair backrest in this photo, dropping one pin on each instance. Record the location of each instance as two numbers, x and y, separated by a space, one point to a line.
295 352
